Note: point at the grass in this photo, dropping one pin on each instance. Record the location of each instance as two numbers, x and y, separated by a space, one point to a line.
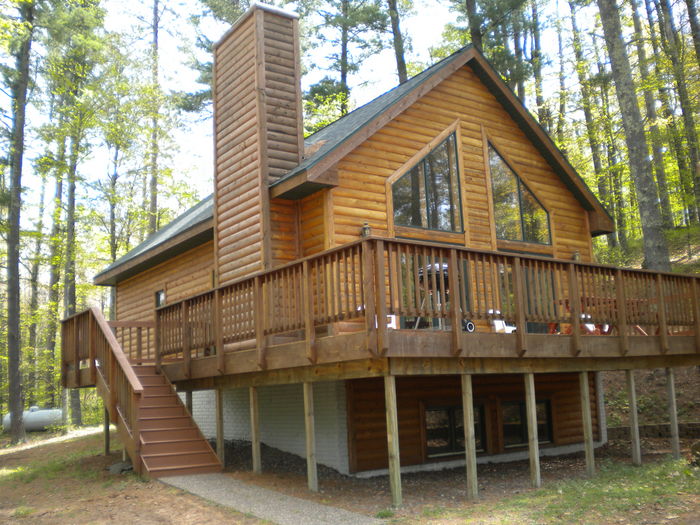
616 490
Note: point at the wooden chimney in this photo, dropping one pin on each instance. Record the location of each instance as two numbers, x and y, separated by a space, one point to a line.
257 133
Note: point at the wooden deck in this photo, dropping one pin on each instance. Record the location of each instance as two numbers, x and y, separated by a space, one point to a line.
386 299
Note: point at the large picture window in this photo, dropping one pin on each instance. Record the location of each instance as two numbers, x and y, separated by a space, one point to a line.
518 214
428 195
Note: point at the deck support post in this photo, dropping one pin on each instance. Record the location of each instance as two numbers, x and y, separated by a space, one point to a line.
220 425
469 438
673 413
188 401
392 438
309 426
255 429
532 438
106 431
634 420
587 422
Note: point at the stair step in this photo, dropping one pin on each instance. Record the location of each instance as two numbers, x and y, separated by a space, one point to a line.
184 459
160 400
144 370
157 390
175 446
153 380
167 434
156 423
185 471
162 411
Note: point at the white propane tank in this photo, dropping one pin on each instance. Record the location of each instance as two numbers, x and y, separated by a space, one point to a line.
36 419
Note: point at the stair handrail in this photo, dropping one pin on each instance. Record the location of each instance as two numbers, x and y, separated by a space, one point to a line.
117 350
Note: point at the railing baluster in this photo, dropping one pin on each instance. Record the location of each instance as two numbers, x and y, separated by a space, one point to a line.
661 308
621 301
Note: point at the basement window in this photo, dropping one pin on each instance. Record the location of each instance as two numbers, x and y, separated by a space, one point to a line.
515 423
444 430
428 195
519 216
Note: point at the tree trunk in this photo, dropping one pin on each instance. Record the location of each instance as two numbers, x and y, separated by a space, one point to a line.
153 161
592 132
542 114
398 42
671 44
694 27
561 116
517 45
657 146
655 249
18 92
344 66
69 295
690 211
32 343
474 24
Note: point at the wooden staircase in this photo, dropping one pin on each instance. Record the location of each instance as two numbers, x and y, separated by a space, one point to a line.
170 441
156 429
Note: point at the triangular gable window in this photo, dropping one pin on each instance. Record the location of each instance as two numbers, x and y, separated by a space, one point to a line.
518 214
427 196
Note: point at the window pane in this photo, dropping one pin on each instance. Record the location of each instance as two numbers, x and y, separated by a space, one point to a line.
437 430
544 424
409 199
505 199
441 179
428 195
535 221
513 425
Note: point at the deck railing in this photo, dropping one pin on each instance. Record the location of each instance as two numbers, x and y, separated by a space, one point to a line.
92 356
136 338
418 285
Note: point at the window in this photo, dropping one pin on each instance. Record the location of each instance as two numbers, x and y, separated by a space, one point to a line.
428 195
515 423
518 214
444 429
160 298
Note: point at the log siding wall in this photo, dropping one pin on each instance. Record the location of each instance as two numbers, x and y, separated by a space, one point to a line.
187 274
367 420
362 191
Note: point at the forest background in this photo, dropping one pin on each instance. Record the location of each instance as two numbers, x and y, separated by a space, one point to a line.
105 130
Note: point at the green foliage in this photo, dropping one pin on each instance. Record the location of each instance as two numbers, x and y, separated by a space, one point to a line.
384 513
323 105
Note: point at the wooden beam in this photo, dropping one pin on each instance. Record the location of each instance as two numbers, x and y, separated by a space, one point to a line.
106 431
392 438
663 325
520 318
469 437
587 422
532 438
188 401
309 427
255 429
220 444
634 420
621 312
673 413
575 307
455 304
380 289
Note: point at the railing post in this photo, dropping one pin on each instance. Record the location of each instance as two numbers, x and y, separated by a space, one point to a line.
369 296
575 308
156 340
455 303
520 319
64 354
76 350
91 347
696 312
259 316
139 345
218 332
661 309
135 432
621 311
186 339
380 287
309 329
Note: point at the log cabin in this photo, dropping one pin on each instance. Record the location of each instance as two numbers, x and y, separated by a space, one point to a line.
411 287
